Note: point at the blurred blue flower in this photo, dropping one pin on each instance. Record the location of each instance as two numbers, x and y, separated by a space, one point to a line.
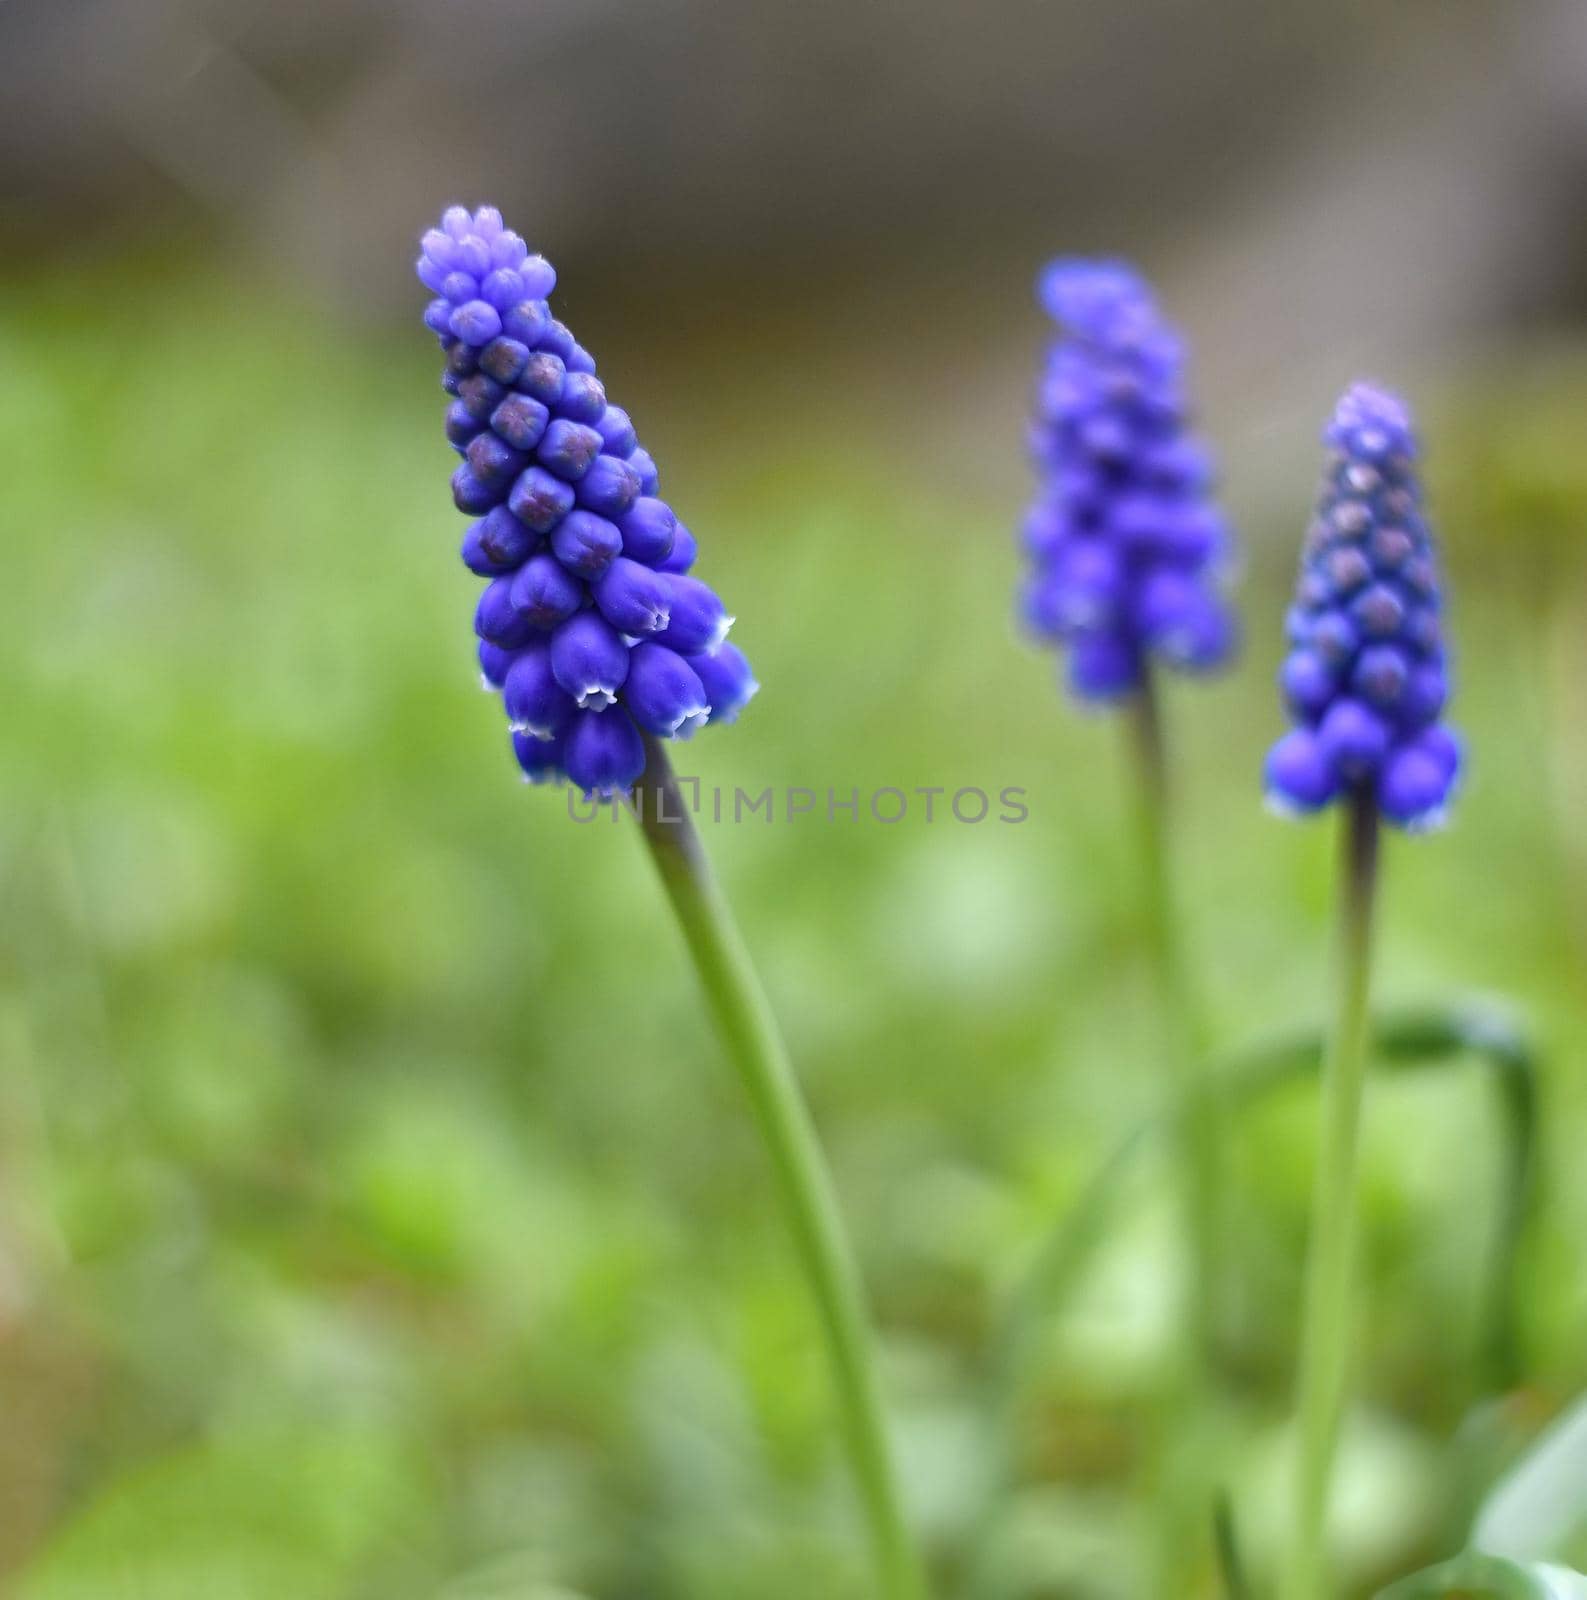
589 626
1366 678
1125 540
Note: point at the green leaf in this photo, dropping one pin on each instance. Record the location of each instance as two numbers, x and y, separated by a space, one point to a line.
258 1517
1542 1500
1406 1042
1475 1576
1226 1540
1410 1041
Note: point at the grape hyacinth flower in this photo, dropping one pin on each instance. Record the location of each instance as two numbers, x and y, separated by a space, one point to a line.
1366 677
1366 681
586 566
1125 541
603 646
1128 550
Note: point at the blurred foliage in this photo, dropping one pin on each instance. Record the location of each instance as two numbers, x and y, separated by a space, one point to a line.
376 1216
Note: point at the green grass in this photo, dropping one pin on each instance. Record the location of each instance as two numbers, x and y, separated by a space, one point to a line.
377 1216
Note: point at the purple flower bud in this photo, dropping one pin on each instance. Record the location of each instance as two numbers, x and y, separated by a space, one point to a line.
585 543
1379 675
1445 748
1422 632
1177 617
583 398
1346 569
540 759
494 462
539 500
1200 637
728 682
439 247
1300 778
1124 543
1354 740
544 592
610 487
508 250
617 432
1334 638
1415 787
557 339
1309 684
502 288
1426 691
590 660
664 694
681 557
1082 589
604 755
648 528
543 377
533 699
460 426
497 543
587 623
494 663
477 322
504 360
634 599
520 420
1378 612
698 623
470 495
473 256
538 277
1046 606
1366 668
526 322
1045 531
480 395
496 619
568 449
1103 666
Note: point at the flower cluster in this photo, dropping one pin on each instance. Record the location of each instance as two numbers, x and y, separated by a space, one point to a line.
1365 677
590 626
1124 537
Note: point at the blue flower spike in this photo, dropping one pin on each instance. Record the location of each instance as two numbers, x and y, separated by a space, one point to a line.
1127 547
1366 677
588 627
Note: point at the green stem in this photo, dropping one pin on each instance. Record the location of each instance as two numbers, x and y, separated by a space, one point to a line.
739 1008
1325 1326
1181 1042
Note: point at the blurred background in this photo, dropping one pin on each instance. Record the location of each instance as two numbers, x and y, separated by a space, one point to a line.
377 1215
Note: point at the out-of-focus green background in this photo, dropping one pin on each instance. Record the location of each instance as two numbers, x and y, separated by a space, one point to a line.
377 1214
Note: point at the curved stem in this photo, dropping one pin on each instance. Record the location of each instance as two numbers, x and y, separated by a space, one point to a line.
1325 1325
1181 1045
743 1018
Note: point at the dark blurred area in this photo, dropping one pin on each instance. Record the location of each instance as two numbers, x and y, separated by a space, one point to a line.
1312 174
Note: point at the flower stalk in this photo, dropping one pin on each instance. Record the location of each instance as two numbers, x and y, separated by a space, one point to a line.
1181 1034
1326 1316
751 1037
